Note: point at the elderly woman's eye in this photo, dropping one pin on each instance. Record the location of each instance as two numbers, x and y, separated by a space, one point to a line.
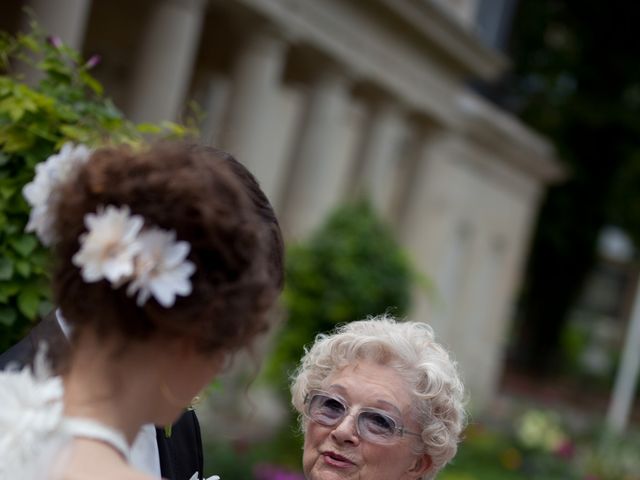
331 405
379 424
326 410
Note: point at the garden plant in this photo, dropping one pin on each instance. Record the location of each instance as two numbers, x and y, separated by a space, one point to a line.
48 97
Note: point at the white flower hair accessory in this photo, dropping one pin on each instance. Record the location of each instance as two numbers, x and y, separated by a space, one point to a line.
41 192
161 268
117 249
110 245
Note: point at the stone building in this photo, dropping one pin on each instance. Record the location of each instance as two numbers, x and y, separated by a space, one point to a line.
324 99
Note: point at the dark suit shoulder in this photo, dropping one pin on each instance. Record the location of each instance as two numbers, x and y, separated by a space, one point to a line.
19 355
47 330
181 453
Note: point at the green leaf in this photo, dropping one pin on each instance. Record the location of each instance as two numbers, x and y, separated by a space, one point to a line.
24 244
23 268
6 269
55 67
91 82
15 140
28 303
6 191
29 42
150 128
7 290
8 316
73 132
4 297
174 128
13 107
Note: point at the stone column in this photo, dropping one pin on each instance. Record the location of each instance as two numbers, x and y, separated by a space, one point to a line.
255 83
378 156
319 172
212 93
626 382
424 225
66 19
165 60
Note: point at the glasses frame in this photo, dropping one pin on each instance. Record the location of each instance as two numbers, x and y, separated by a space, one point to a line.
398 429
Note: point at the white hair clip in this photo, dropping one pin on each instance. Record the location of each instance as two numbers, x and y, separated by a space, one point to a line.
41 191
151 261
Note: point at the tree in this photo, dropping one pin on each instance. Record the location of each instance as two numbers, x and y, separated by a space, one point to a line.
576 79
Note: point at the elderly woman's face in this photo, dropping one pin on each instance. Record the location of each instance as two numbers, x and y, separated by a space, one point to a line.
338 452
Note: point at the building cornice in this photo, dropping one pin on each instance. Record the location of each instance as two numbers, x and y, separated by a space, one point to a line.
406 76
448 35
509 138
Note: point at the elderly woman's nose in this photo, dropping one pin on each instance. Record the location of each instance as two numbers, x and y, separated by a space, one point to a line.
346 431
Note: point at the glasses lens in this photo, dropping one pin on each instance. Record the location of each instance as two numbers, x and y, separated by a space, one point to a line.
326 410
377 427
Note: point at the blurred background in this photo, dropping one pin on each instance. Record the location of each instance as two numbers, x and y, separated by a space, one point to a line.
474 164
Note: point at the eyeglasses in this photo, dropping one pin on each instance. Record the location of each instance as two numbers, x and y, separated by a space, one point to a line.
372 425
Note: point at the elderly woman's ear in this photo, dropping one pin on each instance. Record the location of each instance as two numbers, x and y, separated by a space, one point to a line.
421 466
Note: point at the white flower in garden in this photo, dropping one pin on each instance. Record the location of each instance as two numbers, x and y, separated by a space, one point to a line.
161 268
110 245
40 192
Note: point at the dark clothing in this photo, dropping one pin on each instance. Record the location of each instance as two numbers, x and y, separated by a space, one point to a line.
180 454
48 331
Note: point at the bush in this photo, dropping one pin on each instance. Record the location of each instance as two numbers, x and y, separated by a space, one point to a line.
539 445
351 268
66 104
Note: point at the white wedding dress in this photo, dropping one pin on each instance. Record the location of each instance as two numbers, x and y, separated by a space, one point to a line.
34 433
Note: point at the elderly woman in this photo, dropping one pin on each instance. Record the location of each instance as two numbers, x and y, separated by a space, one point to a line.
378 399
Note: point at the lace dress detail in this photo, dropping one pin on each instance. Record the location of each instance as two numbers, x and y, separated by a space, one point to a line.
30 418
33 430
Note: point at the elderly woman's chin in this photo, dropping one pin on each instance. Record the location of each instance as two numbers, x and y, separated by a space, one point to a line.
338 452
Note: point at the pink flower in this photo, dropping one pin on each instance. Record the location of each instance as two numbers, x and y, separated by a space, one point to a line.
55 41
566 450
273 472
93 61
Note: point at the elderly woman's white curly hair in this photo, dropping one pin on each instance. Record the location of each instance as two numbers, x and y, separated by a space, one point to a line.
408 347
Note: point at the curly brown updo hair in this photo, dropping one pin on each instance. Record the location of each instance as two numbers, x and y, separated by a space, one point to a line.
211 201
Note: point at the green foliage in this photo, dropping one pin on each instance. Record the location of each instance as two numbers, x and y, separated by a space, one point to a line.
350 269
239 460
575 79
65 104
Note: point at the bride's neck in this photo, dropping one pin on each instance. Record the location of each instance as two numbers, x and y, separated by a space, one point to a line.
111 382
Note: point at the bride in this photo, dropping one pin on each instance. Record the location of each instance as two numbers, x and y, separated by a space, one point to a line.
164 267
